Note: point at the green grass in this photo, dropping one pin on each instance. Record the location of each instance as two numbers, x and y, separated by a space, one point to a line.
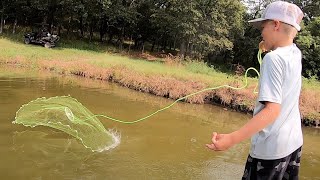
101 56
105 56
312 84
14 50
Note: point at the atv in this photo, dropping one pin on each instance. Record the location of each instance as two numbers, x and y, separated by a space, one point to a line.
42 37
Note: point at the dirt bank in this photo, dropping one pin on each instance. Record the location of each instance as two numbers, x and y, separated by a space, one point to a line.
168 87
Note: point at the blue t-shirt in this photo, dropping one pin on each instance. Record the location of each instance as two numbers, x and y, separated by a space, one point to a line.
280 82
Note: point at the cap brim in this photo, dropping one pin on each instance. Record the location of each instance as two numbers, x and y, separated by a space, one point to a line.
297 27
257 22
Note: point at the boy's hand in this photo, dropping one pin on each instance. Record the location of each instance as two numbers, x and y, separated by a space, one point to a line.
221 142
262 46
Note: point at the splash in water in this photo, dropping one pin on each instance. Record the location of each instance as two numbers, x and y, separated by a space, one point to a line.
67 114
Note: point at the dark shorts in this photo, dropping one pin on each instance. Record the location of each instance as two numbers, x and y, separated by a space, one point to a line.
284 168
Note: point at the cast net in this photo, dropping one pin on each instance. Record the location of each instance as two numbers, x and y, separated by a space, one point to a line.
67 114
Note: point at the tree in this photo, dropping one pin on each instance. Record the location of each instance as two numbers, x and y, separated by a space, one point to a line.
309 42
2 7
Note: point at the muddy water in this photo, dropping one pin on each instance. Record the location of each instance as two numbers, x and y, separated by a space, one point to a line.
169 145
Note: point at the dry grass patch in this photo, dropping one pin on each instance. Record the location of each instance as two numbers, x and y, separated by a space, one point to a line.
310 104
168 77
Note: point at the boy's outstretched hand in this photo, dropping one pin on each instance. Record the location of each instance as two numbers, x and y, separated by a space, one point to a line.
221 142
267 115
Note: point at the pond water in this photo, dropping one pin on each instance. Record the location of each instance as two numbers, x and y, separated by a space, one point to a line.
169 145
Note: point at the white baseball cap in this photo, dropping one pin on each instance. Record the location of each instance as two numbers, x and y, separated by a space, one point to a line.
282 11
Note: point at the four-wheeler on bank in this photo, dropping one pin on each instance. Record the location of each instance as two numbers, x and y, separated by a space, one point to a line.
41 36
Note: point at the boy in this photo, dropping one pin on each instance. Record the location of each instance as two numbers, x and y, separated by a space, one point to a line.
275 129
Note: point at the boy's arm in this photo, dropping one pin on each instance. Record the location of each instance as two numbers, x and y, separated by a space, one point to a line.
265 117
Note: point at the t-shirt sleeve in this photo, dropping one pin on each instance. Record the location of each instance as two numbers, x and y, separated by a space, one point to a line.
271 79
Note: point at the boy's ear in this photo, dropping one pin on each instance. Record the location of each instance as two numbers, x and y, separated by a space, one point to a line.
276 24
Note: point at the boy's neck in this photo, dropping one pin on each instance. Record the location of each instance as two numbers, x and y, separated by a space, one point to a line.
283 43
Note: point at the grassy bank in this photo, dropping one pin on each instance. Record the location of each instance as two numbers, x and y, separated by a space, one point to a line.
165 77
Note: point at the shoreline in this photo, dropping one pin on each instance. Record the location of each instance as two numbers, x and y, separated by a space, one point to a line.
237 100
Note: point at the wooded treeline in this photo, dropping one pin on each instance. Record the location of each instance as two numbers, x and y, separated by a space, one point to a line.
215 31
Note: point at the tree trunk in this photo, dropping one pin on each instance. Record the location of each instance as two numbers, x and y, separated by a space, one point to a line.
59 29
2 19
191 50
188 49
69 24
130 43
142 51
110 37
81 26
102 29
164 45
52 8
182 49
153 44
158 46
121 39
91 33
14 25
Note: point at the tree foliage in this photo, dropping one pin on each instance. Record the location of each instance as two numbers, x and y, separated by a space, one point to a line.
309 43
308 39
201 29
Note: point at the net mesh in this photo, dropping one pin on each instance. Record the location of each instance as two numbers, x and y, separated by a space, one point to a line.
67 114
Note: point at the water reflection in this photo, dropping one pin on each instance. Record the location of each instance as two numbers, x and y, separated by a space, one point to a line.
169 145
43 150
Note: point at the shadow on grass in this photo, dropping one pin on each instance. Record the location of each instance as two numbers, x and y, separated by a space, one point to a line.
73 42
68 43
